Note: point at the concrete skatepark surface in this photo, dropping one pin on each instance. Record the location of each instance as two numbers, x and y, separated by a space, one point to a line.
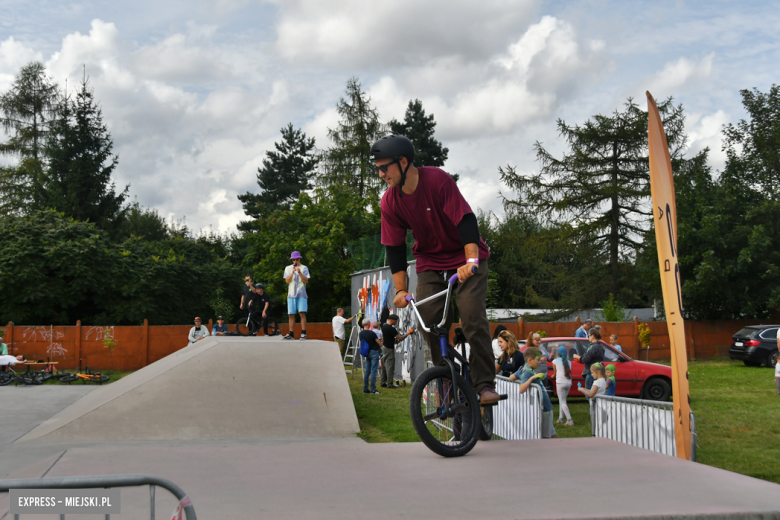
249 475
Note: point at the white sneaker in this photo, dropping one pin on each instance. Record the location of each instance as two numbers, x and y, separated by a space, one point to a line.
289 336
303 337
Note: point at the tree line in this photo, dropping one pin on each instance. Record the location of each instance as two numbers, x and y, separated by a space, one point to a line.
573 235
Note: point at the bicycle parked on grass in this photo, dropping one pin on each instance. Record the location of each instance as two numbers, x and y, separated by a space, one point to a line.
446 412
86 377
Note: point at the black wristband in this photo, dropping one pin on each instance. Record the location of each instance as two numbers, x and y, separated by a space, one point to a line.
400 290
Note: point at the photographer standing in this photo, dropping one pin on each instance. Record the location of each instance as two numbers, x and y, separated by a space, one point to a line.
296 276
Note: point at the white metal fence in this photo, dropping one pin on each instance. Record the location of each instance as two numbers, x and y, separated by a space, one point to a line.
637 422
519 417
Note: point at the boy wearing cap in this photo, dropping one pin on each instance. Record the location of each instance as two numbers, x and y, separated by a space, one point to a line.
220 329
296 276
197 332
390 335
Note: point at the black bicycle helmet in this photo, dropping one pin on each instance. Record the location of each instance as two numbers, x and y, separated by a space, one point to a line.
394 147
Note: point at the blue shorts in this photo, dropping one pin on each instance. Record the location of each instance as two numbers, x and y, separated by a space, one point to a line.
296 305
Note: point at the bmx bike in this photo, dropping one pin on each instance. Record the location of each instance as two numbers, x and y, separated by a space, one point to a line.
251 324
446 412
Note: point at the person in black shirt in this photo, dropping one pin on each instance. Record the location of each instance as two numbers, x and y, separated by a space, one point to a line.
372 360
258 305
511 359
594 354
389 336
246 295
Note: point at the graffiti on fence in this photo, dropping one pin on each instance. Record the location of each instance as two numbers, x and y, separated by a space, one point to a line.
49 334
99 333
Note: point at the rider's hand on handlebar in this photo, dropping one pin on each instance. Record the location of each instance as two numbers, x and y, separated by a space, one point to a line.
400 299
466 271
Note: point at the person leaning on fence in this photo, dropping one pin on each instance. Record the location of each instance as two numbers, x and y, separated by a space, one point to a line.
611 381
562 375
220 329
535 340
582 332
372 358
339 332
527 377
198 332
511 359
594 354
389 336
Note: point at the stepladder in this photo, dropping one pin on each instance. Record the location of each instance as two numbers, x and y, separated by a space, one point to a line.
352 350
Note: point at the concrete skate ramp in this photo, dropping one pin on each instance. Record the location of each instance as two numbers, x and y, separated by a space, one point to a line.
218 388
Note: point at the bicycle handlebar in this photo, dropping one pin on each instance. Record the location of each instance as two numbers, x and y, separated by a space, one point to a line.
448 291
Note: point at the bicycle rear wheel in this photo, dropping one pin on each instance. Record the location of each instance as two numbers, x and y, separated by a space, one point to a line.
445 416
6 378
486 429
67 378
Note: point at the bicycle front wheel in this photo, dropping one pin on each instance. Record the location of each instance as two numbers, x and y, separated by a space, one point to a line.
245 327
446 416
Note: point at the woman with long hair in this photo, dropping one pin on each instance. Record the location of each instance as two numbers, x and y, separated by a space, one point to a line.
511 358
562 375
496 348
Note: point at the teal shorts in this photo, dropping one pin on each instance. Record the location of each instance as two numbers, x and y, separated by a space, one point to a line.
296 305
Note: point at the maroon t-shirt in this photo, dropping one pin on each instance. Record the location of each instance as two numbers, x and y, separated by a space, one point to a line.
433 213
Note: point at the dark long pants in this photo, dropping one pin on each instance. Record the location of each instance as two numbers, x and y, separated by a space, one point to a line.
471 297
387 372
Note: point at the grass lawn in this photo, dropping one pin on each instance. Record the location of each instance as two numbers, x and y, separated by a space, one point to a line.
737 412
115 375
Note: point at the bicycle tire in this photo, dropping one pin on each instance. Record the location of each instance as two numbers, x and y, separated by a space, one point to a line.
242 329
486 425
452 436
23 380
67 378
100 378
6 379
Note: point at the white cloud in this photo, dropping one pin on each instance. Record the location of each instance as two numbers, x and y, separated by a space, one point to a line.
706 131
679 73
381 35
14 55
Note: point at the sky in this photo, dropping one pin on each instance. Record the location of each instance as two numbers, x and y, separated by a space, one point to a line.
195 92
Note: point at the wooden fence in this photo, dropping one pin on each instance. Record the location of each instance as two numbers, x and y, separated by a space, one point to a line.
138 346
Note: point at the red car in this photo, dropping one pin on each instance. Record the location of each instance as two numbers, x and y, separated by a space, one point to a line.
634 378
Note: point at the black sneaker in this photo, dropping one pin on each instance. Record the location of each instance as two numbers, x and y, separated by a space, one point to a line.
393 386
366 392
289 335
383 385
376 392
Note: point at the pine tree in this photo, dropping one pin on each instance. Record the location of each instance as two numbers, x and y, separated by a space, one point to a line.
28 109
77 179
348 161
286 172
419 128
602 185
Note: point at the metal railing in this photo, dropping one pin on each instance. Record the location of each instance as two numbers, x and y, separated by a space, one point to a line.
519 417
637 422
107 481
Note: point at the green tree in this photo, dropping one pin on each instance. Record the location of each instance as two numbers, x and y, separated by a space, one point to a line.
286 172
27 109
419 127
348 162
602 185
728 231
320 226
77 179
145 223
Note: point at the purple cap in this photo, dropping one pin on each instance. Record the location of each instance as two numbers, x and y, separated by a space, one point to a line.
295 254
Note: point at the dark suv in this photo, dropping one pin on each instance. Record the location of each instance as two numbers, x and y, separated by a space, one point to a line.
755 344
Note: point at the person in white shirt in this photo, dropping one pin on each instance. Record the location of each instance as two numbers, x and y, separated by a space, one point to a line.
296 276
599 381
9 361
339 332
197 332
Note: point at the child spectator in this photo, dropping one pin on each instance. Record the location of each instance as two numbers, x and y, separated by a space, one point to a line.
535 340
511 359
220 329
613 341
562 375
611 382
377 329
599 382
527 378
